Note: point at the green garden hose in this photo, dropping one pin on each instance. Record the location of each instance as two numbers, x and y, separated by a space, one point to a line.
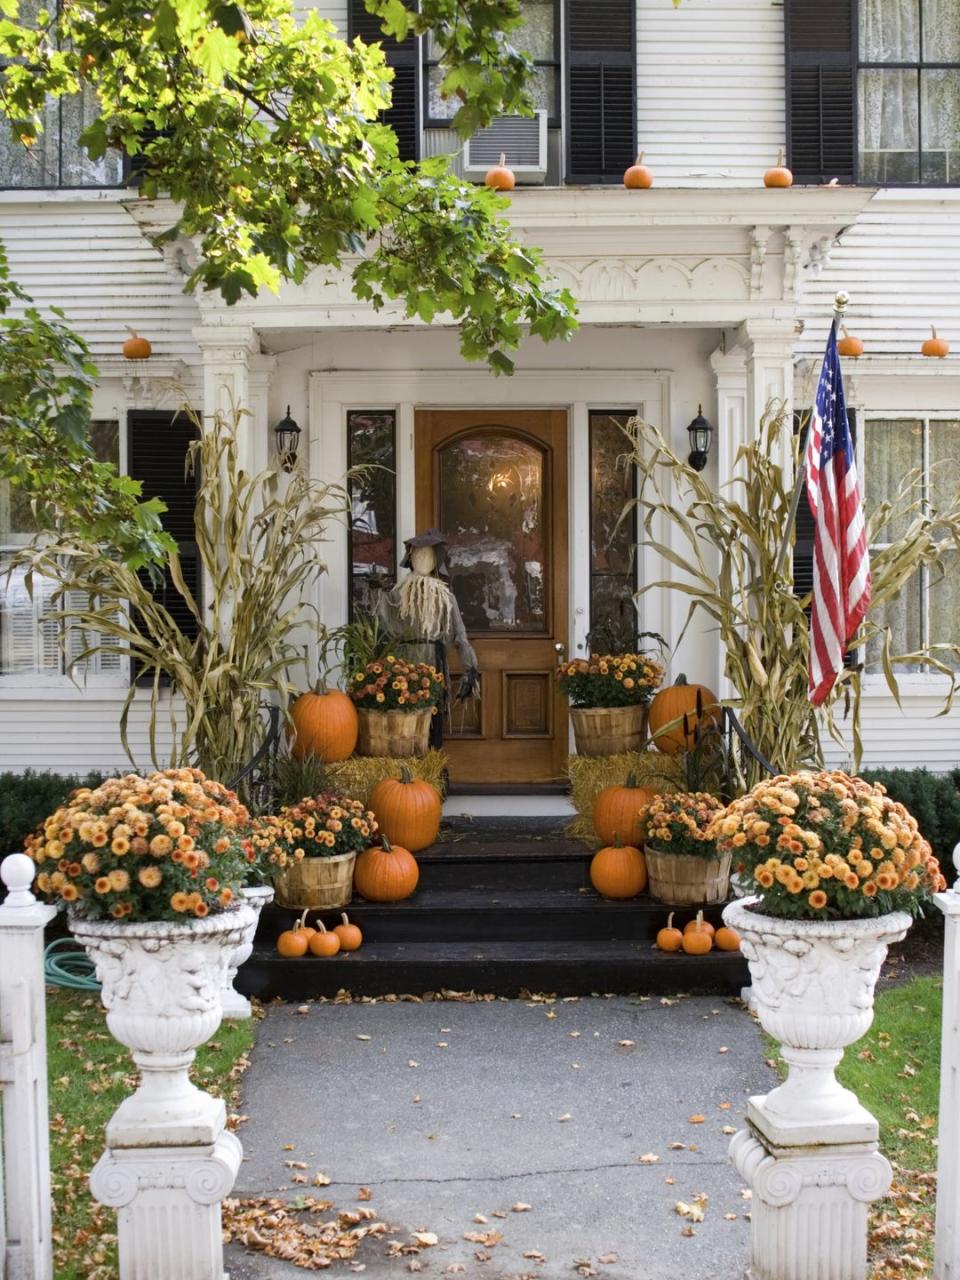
67 965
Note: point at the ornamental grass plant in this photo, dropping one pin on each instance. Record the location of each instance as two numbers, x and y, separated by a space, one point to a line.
610 679
317 827
681 824
393 684
165 846
828 846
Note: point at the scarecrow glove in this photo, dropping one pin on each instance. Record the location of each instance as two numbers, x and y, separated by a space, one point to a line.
469 684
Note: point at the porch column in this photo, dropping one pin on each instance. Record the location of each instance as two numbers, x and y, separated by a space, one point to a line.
730 371
228 353
768 357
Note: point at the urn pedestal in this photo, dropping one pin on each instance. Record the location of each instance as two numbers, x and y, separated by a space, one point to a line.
810 1151
234 1004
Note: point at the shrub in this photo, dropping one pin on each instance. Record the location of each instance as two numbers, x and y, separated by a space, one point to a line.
934 800
27 799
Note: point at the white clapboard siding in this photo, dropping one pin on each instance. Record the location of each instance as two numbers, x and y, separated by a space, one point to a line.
710 90
906 738
90 258
334 10
900 263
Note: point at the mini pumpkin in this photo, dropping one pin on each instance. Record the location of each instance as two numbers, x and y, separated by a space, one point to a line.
779 175
677 712
697 940
293 943
849 345
934 346
349 934
726 939
638 176
324 941
500 177
387 874
408 809
618 871
699 924
618 812
669 938
325 724
135 347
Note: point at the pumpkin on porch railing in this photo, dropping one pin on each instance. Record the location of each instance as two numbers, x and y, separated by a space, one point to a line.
677 712
849 344
638 177
325 725
779 175
500 177
135 347
934 346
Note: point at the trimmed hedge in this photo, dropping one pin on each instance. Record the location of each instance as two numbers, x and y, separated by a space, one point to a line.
26 799
934 800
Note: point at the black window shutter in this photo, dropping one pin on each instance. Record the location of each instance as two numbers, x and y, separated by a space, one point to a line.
821 54
601 115
157 445
403 56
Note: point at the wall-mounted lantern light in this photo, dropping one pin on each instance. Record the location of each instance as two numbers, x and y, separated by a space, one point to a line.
287 435
700 432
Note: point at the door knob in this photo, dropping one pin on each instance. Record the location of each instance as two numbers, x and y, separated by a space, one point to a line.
560 649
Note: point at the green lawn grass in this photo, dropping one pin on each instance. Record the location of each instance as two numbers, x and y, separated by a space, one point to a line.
89 1075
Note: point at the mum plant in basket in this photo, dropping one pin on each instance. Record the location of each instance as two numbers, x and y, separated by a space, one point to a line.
610 680
312 847
392 684
684 863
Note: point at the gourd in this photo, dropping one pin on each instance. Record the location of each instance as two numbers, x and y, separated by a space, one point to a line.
850 345
349 934
638 176
699 925
697 940
726 939
669 938
325 724
324 941
388 874
407 809
934 346
779 175
294 942
135 347
500 177
618 811
688 705
618 871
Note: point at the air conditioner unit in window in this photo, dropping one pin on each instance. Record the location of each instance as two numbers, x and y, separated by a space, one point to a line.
522 139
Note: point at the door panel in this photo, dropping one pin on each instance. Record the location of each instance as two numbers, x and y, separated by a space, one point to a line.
496 483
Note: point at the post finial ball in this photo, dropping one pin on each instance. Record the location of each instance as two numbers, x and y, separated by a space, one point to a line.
17 872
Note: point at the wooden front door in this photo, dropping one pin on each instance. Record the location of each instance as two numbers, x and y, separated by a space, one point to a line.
495 482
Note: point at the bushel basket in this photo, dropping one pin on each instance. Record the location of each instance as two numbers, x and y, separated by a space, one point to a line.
608 731
322 884
394 733
683 880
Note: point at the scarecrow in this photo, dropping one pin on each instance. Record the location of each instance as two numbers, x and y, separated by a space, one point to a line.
422 617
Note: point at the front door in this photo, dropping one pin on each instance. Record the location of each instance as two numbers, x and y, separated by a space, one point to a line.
495 482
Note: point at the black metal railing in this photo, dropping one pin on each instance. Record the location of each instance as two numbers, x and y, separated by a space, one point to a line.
256 776
732 728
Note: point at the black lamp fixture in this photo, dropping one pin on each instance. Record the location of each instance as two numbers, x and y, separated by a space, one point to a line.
700 432
287 435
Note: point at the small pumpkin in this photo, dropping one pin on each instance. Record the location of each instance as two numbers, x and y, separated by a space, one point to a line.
618 871
618 811
676 713
408 809
669 938
500 177
325 942
779 175
934 346
638 176
849 345
135 347
726 939
387 874
325 724
699 924
349 934
293 943
697 940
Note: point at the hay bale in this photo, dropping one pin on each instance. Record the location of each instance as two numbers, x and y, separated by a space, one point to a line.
590 774
357 776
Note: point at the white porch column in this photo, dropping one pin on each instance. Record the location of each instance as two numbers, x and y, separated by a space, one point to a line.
946 1260
228 352
768 358
733 429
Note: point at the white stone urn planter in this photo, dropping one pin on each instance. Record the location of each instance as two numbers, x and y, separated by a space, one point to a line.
235 1005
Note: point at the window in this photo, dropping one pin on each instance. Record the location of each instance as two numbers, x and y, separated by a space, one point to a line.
927 611
613 610
601 105
371 444
403 116
31 642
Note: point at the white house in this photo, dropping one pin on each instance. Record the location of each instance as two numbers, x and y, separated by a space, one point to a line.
706 290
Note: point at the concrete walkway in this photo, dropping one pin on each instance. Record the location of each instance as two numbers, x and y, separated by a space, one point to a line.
446 1111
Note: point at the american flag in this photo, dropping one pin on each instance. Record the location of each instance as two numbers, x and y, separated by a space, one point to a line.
841 562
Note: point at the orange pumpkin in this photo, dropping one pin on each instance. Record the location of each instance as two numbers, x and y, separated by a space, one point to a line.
325 724
136 348
407 809
638 176
934 346
349 934
618 871
294 942
779 175
697 940
726 939
669 938
677 711
388 874
500 177
324 941
617 812
849 345
699 925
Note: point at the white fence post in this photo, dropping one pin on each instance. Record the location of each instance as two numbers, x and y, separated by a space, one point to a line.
26 1252
946 1263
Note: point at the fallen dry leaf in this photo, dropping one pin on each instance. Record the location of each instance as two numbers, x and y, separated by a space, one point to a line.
534 1255
478 1217
723 1049
321 1180
364 1037
364 1194
649 1158
565 1116
693 1212
520 1207
724 1106
730 1217
608 1259
427 1238
626 1044
728 1128
490 1239
678 1146
697 1119
688 1231
302 1009
411 1063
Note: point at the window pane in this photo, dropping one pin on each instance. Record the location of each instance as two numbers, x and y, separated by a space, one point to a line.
889 126
37 165
941 31
944 455
613 612
535 36
492 510
904 618
373 504
941 125
944 596
892 449
890 30
541 84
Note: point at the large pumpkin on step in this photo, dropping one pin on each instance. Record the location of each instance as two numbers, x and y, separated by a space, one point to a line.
388 874
407 809
616 812
325 725
695 701
619 871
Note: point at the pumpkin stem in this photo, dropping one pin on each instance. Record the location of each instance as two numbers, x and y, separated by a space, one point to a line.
132 332
681 679
503 159
699 921
933 330
631 781
344 917
616 840
670 920
320 688
301 922
321 926
405 774
640 157
385 841
779 157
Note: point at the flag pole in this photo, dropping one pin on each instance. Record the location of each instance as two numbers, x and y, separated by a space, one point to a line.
840 303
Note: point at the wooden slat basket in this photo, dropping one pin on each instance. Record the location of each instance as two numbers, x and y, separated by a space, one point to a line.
319 883
609 731
682 880
393 733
